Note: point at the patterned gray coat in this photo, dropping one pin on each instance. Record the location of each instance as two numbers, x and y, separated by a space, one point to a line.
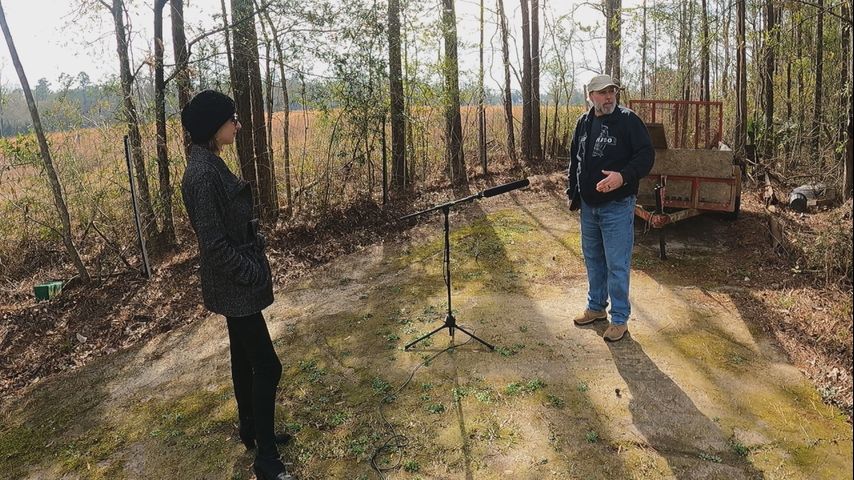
235 273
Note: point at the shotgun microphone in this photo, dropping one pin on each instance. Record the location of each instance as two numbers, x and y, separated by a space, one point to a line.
491 192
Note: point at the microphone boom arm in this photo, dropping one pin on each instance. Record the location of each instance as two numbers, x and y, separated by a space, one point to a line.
489 192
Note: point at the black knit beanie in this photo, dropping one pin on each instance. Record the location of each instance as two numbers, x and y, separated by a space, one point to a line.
205 113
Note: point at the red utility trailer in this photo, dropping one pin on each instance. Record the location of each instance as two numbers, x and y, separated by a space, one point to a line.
694 171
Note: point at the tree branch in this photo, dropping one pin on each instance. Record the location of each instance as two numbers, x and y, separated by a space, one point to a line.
224 27
827 9
214 32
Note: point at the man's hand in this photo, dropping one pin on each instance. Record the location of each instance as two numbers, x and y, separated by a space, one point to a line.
573 200
612 181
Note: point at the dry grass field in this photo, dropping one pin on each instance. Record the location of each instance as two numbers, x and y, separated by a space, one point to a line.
330 165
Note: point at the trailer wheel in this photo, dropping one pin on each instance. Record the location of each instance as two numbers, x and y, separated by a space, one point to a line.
733 215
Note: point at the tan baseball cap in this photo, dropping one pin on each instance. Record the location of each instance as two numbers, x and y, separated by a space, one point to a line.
601 82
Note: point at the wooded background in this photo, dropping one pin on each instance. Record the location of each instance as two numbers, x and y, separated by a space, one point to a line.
365 99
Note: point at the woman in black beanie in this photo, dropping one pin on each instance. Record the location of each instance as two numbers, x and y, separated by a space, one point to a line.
235 274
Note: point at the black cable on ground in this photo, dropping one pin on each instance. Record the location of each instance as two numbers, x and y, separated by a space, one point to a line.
398 441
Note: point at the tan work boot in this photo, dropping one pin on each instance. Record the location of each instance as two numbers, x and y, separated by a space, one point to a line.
589 316
615 332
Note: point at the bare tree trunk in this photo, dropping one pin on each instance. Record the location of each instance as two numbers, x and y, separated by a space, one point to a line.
508 97
656 35
229 55
167 236
727 28
286 114
398 118
182 58
246 82
246 51
552 146
304 152
801 87
453 120
848 163
644 43
714 35
481 114
705 54
536 140
819 82
525 135
149 222
409 173
267 108
768 80
2 102
705 73
686 41
845 23
44 150
240 90
740 132
788 86
268 85
613 28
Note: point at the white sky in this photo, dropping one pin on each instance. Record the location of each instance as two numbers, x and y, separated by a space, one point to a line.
49 44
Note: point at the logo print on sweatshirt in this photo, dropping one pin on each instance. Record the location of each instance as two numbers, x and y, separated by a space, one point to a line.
603 141
582 147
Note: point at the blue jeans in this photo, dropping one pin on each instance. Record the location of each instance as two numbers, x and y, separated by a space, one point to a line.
607 235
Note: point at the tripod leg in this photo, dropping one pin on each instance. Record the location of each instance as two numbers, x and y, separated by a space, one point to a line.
490 346
424 337
450 321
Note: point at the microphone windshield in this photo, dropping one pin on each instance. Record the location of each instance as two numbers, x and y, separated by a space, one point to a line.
491 192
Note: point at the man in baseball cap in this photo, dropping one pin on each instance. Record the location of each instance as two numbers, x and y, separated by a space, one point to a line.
601 82
611 151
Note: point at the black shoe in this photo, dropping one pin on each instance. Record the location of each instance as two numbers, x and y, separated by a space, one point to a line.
246 431
270 469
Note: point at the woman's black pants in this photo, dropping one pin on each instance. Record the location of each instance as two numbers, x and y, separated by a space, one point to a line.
255 371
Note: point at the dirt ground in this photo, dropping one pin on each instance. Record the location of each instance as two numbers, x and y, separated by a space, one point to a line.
709 384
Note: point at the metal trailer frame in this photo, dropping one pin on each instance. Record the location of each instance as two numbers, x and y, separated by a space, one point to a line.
692 205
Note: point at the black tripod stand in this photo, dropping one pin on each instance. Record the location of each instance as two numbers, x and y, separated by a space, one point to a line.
450 321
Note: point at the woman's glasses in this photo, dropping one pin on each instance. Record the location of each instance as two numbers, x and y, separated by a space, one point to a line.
234 119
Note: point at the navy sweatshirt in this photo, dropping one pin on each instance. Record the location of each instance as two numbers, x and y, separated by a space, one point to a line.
621 144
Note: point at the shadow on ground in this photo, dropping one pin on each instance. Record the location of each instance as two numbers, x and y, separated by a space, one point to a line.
681 398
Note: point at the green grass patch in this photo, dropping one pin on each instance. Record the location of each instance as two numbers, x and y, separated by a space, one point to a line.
459 392
518 388
555 401
738 448
486 396
710 457
510 351
311 371
337 418
380 386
